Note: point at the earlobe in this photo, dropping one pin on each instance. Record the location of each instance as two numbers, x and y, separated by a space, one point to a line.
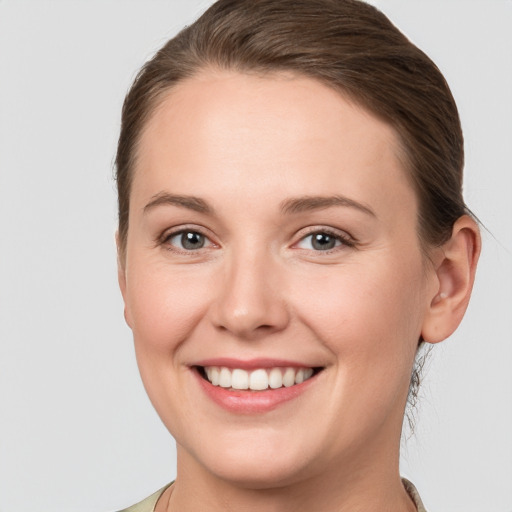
455 270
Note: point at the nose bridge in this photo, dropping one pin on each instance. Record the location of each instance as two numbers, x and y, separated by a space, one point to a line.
250 300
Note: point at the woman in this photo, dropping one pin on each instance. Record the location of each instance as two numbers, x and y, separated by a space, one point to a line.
291 230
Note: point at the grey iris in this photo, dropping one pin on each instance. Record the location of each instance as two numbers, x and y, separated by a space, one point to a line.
323 241
191 240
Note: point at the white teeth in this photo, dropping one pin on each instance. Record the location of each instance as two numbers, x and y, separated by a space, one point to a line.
275 378
239 379
303 374
256 380
225 378
289 377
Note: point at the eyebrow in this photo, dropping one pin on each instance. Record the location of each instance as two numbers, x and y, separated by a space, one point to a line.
289 206
308 203
190 202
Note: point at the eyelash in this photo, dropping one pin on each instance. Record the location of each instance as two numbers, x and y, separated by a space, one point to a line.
165 239
343 239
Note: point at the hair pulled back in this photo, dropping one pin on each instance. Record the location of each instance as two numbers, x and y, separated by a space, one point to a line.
346 44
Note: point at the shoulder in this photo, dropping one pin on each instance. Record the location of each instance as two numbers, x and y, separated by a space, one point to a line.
147 505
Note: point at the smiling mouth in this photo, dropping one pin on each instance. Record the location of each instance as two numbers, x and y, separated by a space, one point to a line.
259 379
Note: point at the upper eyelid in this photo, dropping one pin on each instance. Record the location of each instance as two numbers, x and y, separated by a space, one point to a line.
171 232
338 233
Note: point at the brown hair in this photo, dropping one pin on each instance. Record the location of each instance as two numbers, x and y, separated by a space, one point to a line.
346 44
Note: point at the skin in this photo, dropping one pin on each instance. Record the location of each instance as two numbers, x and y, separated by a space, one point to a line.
245 145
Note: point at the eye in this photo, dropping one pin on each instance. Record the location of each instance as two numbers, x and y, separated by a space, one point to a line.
322 241
188 240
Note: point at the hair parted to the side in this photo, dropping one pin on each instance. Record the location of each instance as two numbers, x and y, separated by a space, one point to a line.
346 44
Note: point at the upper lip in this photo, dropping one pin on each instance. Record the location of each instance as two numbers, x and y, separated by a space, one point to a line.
252 364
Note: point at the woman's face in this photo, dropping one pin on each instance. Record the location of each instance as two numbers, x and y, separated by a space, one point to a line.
273 237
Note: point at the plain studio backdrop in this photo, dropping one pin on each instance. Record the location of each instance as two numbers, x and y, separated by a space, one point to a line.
77 432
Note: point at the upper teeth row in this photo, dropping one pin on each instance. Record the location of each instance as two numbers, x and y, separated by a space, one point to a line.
256 380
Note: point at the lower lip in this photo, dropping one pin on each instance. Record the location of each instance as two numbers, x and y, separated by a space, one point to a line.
252 402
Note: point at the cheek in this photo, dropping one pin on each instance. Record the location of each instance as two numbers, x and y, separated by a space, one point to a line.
165 304
366 313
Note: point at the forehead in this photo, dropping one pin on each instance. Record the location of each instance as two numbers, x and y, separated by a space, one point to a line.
238 129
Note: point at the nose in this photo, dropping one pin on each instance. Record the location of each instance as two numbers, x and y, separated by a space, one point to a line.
251 301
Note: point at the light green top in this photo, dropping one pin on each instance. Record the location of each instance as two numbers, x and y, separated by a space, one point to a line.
149 504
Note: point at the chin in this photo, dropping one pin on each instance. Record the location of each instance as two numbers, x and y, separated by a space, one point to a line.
257 474
268 462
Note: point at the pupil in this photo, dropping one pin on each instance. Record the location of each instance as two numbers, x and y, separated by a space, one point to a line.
323 241
192 240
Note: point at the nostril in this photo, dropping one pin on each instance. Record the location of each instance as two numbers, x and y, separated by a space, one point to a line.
265 327
248 330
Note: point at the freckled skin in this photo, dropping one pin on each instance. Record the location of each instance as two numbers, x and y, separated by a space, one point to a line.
244 145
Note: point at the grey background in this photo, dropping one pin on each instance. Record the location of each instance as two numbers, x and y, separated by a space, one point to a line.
77 432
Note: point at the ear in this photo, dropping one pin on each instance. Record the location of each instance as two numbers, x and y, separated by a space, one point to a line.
121 278
455 266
